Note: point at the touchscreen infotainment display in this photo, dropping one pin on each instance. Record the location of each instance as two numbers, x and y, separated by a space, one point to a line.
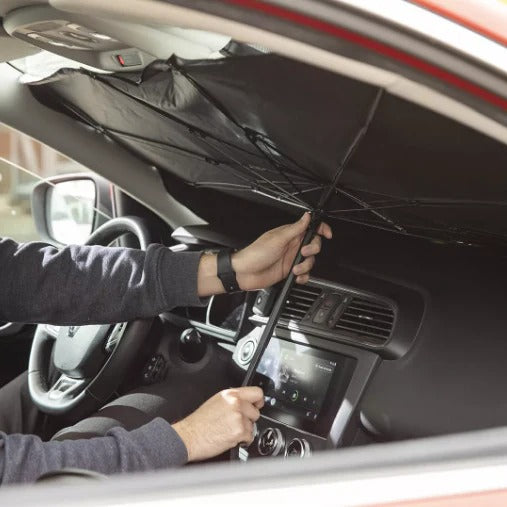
302 384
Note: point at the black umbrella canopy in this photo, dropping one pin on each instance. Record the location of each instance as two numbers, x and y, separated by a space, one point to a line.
272 130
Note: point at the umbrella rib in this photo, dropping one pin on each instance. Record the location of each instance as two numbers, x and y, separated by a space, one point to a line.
281 199
423 201
312 189
225 185
435 203
382 227
367 207
352 149
257 189
458 230
254 137
370 208
277 167
280 189
449 231
267 142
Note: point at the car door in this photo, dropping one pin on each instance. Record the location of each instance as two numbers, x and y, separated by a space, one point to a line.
24 162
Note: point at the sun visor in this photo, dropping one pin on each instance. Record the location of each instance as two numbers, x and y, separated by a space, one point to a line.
269 129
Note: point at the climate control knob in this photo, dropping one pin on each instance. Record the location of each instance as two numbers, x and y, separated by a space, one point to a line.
271 442
298 448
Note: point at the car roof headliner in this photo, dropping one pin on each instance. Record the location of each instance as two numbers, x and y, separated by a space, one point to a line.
11 48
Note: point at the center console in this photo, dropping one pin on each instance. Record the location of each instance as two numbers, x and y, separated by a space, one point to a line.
311 387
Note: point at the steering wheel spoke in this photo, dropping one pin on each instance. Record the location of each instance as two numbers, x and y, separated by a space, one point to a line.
51 331
66 387
115 336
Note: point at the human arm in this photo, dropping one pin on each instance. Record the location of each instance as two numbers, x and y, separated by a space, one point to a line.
268 259
81 285
24 458
222 422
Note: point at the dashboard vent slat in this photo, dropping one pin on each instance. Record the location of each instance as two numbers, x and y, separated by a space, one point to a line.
362 319
373 309
367 319
351 322
379 320
382 317
299 301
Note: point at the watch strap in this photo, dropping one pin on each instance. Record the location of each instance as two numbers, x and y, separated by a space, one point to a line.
225 271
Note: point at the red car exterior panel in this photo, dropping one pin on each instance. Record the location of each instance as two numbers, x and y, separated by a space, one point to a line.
373 45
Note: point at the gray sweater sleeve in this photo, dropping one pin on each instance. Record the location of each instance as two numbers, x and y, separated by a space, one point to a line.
24 458
83 285
80 285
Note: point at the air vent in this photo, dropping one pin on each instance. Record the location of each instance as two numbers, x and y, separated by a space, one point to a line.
364 318
299 301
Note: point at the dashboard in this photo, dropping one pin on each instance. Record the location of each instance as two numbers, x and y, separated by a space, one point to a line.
316 365
315 368
311 389
441 368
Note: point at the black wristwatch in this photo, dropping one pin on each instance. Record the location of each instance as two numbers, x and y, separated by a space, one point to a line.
226 272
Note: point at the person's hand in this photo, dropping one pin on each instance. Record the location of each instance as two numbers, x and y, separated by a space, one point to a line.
268 259
221 423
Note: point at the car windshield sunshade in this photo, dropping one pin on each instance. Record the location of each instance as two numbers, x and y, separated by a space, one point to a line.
272 130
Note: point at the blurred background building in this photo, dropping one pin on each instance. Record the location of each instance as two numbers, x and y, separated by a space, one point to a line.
23 163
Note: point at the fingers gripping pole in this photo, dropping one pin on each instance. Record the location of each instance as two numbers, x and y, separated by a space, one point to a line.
282 297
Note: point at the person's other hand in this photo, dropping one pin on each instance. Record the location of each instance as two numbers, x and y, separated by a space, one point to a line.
221 423
268 259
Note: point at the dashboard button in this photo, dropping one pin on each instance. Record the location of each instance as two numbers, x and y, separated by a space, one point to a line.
320 316
294 395
271 442
298 448
247 352
255 433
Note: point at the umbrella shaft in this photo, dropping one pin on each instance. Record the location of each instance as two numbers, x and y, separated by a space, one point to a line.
281 299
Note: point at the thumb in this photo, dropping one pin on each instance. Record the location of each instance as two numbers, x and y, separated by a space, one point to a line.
297 228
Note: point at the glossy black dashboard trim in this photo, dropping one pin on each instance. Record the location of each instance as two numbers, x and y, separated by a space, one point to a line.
407 303
367 362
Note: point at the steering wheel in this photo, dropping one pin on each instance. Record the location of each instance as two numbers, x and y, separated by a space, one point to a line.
90 361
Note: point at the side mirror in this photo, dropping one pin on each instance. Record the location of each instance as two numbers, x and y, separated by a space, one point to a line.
67 209
71 211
